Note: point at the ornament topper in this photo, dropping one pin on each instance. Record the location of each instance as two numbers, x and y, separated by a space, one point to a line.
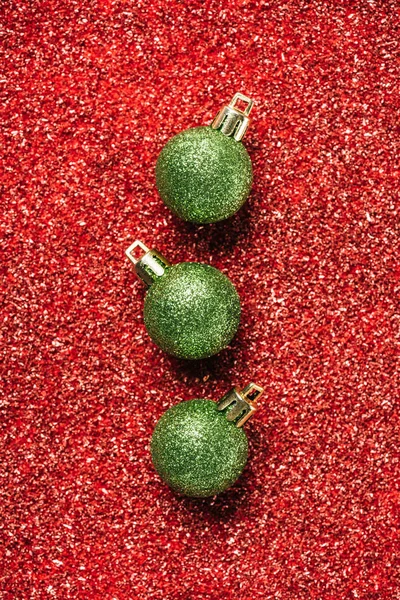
231 120
241 404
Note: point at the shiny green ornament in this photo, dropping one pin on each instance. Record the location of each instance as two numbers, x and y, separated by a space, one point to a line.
204 174
191 310
199 447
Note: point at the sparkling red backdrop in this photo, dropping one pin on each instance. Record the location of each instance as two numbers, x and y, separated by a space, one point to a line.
92 91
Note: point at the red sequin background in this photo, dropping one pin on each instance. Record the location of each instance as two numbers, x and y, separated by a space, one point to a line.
91 92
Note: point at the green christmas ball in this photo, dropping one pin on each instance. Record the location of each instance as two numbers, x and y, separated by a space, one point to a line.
204 176
192 311
196 450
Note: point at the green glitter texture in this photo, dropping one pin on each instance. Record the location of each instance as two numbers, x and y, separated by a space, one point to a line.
203 176
192 311
196 450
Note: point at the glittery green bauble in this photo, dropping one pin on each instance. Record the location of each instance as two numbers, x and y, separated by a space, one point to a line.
203 176
192 311
196 450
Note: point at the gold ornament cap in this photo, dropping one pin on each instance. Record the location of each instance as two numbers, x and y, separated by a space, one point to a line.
241 404
231 120
149 265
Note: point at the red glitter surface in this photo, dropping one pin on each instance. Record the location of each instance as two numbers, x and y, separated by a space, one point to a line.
91 93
